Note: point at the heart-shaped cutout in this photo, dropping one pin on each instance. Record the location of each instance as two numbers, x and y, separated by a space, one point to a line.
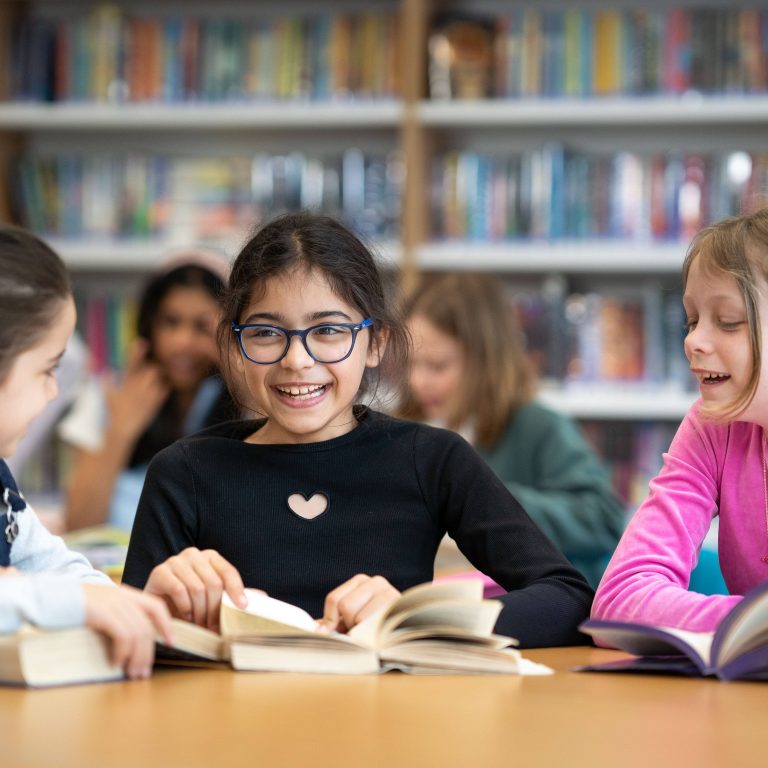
308 508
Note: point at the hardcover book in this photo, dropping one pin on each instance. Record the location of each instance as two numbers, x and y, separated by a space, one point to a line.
42 658
736 650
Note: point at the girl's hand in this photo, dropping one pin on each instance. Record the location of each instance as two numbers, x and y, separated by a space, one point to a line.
192 584
8 571
131 619
135 401
355 600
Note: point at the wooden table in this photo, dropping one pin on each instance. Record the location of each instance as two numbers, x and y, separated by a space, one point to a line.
219 718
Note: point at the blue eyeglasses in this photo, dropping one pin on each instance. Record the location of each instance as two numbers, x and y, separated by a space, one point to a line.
326 343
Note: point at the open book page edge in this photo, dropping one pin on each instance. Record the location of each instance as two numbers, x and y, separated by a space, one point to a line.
476 617
457 589
645 640
422 657
736 631
69 656
752 665
274 657
192 642
471 614
450 634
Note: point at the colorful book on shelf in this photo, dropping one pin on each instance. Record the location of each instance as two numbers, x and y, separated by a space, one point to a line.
736 650
431 629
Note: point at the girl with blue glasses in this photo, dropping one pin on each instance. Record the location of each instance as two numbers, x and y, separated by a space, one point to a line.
320 500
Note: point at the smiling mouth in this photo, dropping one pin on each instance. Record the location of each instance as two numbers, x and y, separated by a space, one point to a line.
714 378
302 393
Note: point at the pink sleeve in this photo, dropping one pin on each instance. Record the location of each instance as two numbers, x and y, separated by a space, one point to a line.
647 578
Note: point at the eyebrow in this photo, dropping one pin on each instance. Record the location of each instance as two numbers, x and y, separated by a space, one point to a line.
277 318
56 358
716 297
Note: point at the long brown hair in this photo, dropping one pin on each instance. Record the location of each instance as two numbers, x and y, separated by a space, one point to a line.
736 246
473 309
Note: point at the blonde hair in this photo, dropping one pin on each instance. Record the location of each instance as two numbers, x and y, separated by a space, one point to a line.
736 246
473 310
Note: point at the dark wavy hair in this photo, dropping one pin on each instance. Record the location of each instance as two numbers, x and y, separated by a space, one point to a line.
312 241
34 284
159 286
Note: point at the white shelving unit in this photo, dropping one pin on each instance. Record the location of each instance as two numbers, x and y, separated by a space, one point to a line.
692 109
197 117
619 403
576 257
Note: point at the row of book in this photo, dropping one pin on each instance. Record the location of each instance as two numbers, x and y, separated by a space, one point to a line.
588 51
108 54
107 324
626 334
194 198
554 192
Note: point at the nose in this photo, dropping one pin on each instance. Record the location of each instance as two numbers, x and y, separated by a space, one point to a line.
297 357
697 342
184 337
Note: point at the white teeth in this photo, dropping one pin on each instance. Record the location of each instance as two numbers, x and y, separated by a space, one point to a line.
303 393
715 376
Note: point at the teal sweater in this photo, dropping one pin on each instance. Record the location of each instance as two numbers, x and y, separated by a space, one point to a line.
545 462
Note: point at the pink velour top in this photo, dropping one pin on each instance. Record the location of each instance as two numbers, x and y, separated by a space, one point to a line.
712 468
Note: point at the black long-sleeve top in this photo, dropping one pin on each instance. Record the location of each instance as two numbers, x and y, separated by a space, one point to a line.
394 488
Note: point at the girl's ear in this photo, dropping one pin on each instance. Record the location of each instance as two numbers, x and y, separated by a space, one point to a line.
376 348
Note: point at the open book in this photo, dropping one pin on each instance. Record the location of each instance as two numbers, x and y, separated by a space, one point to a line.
41 658
430 628
737 649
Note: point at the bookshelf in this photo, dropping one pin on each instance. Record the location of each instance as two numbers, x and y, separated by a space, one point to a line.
680 117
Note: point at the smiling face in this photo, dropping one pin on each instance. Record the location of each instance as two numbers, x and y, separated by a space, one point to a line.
718 345
183 336
304 401
437 367
31 382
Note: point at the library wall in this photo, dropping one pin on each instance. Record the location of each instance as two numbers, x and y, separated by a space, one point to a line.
570 148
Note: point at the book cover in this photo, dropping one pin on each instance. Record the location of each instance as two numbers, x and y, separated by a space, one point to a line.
736 650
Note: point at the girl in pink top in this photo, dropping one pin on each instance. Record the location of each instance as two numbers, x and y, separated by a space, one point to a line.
716 464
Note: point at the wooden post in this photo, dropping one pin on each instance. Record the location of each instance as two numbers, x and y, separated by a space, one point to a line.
10 142
413 139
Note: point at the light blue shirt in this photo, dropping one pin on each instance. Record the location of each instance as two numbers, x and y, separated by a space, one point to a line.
48 590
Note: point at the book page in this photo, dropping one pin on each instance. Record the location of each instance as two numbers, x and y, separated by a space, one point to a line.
473 618
744 628
457 604
189 638
262 615
701 642
647 640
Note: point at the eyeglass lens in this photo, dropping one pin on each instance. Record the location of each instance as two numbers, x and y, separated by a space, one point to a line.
326 343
